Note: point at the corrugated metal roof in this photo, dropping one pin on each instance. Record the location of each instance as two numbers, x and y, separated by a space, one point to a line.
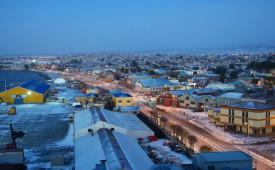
156 83
36 86
225 156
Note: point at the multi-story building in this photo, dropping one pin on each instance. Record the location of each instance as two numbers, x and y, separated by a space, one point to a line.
249 117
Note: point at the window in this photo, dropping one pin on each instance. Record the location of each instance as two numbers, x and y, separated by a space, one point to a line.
233 112
263 131
267 122
246 114
229 119
128 101
267 114
232 119
120 101
193 103
242 113
241 129
206 100
229 112
242 121
187 98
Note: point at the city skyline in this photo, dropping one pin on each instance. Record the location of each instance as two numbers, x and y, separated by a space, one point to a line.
50 27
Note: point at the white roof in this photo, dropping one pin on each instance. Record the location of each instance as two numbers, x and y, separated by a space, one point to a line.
88 152
59 81
83 119
126 120
112 146
232 95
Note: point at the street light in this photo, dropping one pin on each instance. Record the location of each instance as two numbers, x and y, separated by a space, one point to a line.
248 128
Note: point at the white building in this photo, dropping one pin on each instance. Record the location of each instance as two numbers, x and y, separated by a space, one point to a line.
96 118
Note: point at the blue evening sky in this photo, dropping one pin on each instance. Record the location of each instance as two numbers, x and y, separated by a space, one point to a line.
66 26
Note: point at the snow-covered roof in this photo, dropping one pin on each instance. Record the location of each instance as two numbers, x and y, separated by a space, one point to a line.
128 121
232 95
252 106
83 116
225 156
59 81
88 117
156 83
88 152
119 150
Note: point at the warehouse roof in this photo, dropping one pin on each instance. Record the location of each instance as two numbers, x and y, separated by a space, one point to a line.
125 120
224 156
122 95
119 151
156 83
252 106
36 86
232 95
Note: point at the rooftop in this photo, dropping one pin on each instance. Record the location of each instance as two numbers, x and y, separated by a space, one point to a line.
225 156
252 106
122 95
232 95
35 86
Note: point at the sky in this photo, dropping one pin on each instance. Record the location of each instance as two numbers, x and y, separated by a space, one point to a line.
56 27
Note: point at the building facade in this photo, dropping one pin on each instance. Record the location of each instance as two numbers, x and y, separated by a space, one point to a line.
253 118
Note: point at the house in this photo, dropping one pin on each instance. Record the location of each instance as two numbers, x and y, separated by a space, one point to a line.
229 98
249 117
32 91
196 102
122 99
154 86
95 118
223 160
168 99
132 78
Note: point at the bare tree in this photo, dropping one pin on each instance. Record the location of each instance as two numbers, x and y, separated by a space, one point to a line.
192 140
206 148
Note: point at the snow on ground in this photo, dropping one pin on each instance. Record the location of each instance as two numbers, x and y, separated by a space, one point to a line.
201 119
46 127
166 153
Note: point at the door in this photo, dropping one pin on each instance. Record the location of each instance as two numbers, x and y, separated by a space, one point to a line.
18 101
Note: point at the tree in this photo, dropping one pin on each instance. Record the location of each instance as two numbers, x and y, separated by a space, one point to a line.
206 148
152 72
192 140
26 67
234 75
221 71
134 64
163 121
232 66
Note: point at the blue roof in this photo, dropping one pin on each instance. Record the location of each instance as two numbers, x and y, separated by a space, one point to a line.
115 91
156 83
225 156
122 95
87 95
129 109
36 86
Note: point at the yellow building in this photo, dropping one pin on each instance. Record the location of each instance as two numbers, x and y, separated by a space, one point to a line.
249 117
122 100
29 92
214 116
